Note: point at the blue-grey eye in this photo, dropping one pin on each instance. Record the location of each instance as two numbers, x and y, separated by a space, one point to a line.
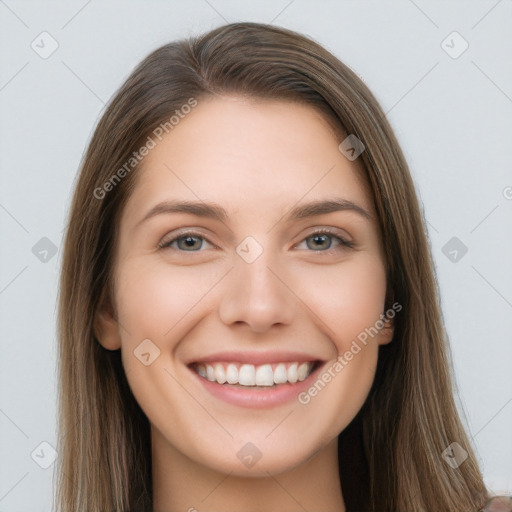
320 241
189 242
186 242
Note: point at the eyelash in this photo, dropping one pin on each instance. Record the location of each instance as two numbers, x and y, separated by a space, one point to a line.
319 231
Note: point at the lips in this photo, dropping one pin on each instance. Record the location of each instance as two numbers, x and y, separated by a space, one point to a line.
254 379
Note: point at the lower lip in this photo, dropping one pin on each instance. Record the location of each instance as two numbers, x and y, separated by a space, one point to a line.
258 398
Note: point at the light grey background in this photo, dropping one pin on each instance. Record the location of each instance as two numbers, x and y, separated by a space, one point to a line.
453 117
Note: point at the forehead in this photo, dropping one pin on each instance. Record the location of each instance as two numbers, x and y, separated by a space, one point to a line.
259 156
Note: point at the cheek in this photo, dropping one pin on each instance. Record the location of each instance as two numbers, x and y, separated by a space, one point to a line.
155 298
347 304
159 303
347 300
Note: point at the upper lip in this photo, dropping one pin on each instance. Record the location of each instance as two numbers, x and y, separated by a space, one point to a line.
256 358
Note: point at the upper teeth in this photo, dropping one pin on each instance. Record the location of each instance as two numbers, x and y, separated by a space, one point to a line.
250 375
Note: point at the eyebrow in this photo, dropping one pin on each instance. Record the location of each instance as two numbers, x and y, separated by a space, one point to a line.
216 212
322 207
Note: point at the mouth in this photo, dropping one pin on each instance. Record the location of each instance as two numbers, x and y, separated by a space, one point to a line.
247 384
252 376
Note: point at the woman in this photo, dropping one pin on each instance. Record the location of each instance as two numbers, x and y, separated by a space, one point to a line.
249 317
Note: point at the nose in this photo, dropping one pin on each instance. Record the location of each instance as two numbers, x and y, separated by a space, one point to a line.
257 294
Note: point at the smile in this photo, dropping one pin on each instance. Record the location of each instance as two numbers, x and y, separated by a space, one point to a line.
255 379
249 375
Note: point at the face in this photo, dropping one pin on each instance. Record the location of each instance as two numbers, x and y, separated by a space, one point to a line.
248 275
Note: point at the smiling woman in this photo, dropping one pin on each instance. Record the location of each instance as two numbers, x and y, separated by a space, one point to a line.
249 320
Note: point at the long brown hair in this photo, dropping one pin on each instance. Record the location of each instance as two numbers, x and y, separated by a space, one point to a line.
390 456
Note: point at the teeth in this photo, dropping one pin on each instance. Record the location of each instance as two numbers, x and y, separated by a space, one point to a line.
210 373
292 373
264 375
302 371
247 375
232 374
250 375
280 376
220 376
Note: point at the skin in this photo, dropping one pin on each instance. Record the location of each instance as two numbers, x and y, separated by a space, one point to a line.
257 159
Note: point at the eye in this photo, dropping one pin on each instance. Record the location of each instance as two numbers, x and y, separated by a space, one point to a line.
321 240
188 241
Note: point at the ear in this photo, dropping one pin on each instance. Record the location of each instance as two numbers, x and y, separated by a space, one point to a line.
387 332
105 325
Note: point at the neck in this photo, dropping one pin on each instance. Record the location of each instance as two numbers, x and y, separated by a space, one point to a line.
182 485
